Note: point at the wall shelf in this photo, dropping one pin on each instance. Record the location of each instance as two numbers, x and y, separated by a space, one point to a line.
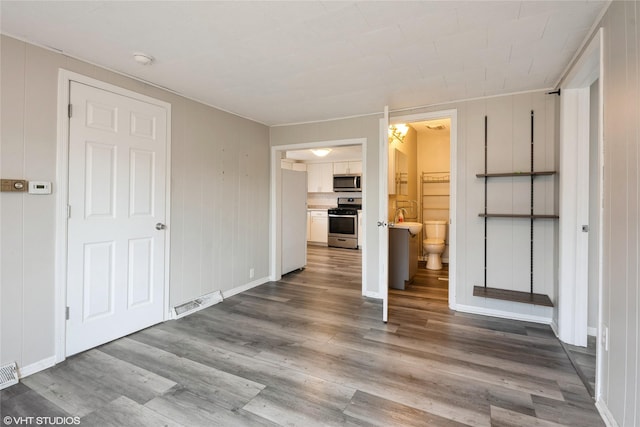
515 296
511 174
507 294
527 216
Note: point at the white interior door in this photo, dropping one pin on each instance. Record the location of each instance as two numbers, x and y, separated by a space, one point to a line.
383 212
116 235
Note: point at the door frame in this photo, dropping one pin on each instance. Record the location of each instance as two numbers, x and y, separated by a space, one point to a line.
451 114
275 232
574 211
574 194
65 77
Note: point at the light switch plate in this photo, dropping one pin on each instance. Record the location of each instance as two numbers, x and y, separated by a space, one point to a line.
39 187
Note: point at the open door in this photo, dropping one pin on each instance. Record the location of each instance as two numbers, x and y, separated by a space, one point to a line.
383 211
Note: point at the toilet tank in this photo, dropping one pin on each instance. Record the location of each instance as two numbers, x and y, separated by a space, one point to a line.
435 229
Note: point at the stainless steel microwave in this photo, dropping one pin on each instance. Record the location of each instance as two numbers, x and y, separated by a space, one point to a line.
348 182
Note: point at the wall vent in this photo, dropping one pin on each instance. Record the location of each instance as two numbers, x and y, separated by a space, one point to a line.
197 304
8 375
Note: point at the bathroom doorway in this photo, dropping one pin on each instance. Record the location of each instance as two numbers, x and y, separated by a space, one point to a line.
424 192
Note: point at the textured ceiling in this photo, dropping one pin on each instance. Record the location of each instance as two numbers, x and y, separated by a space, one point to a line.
288 62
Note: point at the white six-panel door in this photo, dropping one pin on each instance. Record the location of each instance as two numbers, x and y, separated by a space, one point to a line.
116 235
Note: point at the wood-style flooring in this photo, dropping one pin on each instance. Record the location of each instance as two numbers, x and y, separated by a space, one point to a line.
310 350
584 361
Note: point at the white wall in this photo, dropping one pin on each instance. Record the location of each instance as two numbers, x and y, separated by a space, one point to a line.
219 207
508 250
621 233
434 156
509 242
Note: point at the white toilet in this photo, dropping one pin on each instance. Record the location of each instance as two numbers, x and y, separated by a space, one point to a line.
433 244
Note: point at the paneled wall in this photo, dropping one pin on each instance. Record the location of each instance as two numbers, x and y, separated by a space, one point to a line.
509 135
508 240
219 197
621 232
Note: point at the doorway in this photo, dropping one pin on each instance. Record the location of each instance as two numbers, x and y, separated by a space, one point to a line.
419 191
581 196
277 155
435 119
113 201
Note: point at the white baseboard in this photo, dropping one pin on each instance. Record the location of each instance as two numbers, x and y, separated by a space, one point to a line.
591 331
246 287
502 314
36 367
606 415
369 294
554 328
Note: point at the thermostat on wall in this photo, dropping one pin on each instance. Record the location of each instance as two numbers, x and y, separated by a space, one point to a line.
39 187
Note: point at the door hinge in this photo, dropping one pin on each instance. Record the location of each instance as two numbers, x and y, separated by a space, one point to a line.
66 313
70 110
68 211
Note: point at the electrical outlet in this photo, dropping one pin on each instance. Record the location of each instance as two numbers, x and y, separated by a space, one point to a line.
251 273
604 340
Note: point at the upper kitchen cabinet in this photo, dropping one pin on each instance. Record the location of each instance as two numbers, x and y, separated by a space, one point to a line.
347 168
296 166
320 177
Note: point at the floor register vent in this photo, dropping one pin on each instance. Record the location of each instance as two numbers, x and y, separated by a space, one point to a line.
8 375
197 304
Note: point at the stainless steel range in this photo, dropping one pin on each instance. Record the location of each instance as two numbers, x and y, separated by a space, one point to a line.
343 223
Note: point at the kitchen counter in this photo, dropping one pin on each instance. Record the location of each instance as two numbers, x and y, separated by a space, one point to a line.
320 207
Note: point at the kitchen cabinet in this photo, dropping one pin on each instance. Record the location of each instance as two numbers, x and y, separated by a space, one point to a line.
346 168
301 167
296 166
318 226
320 177
285 164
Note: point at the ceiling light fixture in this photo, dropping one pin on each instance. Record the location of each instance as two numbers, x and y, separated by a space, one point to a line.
321 152
142 58
398 132
436 127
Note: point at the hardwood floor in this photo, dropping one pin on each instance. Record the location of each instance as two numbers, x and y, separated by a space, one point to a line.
310 350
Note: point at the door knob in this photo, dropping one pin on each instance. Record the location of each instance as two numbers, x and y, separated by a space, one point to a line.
160 226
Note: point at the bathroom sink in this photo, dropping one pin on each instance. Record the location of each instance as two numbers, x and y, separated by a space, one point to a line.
413 227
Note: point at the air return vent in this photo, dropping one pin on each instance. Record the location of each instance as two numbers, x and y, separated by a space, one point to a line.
197 304
8 375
